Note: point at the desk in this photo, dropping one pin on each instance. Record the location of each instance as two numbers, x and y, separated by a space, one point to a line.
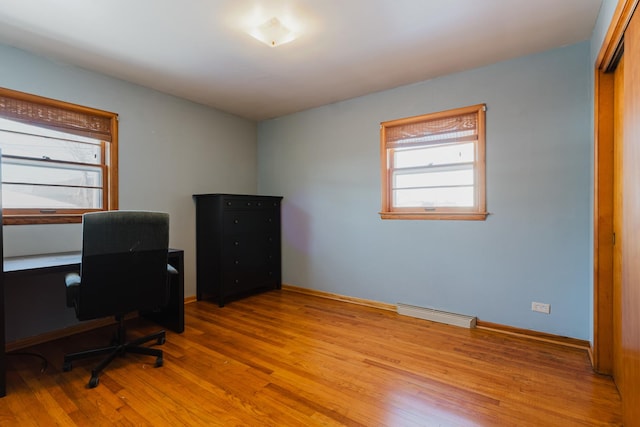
171 317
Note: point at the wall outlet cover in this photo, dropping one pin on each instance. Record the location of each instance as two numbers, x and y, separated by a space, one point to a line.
541 307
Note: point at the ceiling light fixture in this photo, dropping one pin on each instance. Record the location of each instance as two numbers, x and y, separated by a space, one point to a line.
273 33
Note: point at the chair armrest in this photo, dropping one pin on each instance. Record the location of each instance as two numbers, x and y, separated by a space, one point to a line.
72 282
171 269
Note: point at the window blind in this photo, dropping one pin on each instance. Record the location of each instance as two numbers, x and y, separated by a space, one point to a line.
437 131
46 113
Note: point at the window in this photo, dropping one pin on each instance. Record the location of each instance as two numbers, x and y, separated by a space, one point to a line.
433 166
59 160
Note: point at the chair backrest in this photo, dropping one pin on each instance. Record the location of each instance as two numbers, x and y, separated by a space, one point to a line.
124 263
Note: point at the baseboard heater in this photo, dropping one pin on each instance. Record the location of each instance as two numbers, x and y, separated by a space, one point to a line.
437 315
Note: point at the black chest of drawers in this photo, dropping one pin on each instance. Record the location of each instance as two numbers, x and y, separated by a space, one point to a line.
238 245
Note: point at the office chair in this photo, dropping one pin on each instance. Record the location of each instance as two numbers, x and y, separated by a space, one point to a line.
123 269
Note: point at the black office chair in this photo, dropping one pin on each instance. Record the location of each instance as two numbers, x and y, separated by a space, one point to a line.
124 269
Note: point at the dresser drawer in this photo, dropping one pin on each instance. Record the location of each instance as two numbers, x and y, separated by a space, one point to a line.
244 280
245 250
249 203
250 222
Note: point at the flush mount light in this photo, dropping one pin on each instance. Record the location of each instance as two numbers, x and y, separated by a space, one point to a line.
273 33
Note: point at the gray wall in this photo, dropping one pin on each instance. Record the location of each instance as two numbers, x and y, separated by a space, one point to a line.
169 149
535 245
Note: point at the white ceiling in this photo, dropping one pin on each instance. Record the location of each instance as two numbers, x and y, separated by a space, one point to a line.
197 49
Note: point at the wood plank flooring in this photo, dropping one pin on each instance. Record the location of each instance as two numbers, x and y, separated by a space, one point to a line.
288 359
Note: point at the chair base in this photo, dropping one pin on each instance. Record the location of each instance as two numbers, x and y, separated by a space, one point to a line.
119 348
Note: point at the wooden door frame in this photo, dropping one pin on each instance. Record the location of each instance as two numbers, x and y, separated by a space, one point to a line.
610 52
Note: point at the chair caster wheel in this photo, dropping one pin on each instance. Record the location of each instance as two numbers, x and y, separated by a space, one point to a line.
93 382
159 362
66 366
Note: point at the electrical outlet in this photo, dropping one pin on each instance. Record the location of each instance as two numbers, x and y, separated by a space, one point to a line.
541 307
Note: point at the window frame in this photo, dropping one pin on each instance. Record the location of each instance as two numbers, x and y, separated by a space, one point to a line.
109 148
477 212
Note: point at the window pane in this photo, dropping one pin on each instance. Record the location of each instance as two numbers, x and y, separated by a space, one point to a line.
433 179
435 155
37 147
54 184
47 173
434 197
45 197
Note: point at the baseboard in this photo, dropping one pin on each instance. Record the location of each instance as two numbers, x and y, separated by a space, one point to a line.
539 336
337 297
189 300
496 327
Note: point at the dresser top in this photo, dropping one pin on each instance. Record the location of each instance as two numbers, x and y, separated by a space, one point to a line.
253 196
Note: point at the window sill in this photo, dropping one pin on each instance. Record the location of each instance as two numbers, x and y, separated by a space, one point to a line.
462 216
41 219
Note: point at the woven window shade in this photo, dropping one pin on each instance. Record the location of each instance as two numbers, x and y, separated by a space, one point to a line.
437 131
56 118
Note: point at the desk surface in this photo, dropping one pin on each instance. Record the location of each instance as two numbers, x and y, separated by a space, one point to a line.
46 263
33 263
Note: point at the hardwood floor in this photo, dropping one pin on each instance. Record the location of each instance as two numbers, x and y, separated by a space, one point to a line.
288 359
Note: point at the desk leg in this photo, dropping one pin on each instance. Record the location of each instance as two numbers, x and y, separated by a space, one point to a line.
3 357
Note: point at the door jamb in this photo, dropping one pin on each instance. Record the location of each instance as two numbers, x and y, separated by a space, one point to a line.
611 50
